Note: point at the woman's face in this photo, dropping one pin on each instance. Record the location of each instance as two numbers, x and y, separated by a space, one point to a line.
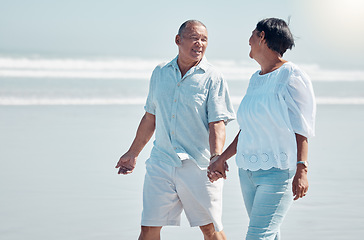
254 43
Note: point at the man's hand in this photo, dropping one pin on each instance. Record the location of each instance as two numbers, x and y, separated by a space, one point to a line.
217 169
300 182
145 131
126 164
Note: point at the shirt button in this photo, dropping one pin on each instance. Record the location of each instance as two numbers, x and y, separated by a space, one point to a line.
172 116
175 100
178 84
175 148
172 132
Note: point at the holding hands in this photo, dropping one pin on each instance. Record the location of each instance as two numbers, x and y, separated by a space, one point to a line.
217 169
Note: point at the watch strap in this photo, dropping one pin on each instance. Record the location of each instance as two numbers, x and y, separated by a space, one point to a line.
303 162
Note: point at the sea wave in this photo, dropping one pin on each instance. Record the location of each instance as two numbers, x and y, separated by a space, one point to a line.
133 68
18 101
22 101
76 68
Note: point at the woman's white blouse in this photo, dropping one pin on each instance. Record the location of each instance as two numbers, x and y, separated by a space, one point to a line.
276 106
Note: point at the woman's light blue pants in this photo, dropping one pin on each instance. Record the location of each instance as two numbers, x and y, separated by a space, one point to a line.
268 196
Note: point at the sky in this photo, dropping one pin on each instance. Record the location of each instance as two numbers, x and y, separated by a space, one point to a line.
328 33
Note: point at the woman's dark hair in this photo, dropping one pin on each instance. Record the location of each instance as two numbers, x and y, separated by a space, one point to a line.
277 34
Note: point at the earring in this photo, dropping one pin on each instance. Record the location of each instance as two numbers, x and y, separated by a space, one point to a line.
259 43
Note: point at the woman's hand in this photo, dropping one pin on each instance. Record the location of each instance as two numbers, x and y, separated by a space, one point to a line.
300 182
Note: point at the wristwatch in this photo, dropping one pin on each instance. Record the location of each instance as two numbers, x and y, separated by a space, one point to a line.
305 163
214 155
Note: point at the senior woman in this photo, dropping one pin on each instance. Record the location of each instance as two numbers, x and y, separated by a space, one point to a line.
276 117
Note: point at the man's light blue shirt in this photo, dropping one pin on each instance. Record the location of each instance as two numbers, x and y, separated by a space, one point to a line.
183 108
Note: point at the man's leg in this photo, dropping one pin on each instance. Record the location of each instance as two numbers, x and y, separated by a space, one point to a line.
150 233
201 199
209 233
161 205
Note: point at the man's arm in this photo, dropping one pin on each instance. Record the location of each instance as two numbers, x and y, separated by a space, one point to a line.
216 137
145 131
300 182
218 165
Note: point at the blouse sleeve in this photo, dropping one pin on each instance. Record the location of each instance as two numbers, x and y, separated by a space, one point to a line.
301 103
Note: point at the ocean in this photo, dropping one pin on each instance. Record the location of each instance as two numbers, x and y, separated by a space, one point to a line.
64 123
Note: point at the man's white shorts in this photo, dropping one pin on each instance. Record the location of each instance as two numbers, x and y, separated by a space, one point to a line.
169 190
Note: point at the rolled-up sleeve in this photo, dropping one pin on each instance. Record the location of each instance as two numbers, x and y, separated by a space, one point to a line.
149 105
219 106
301 104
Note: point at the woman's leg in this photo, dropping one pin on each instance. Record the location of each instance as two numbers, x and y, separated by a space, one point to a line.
248 189
271 202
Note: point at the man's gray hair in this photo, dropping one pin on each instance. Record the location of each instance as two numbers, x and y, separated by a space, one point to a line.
182 28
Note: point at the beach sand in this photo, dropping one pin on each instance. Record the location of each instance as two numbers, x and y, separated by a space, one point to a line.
58 181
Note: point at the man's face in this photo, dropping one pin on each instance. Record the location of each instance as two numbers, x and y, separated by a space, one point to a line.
193 42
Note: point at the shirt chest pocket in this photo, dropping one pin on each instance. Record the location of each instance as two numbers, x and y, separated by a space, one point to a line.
193 94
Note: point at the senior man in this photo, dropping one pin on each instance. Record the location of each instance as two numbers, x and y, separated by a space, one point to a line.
188 106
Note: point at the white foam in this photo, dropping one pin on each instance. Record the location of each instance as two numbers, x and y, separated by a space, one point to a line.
77 68
323 100
16 101
22 101
91 74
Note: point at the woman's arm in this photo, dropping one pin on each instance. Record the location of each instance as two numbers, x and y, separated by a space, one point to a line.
218 164
300 181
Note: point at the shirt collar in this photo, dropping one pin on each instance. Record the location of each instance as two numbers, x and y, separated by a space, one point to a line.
203 64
